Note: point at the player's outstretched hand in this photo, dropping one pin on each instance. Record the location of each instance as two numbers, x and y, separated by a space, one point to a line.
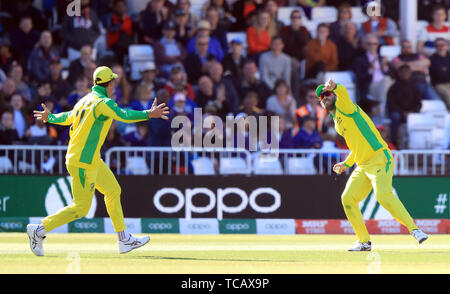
339 168
42 115
330 85
158 111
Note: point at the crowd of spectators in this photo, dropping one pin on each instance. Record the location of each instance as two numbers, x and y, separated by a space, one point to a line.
195 65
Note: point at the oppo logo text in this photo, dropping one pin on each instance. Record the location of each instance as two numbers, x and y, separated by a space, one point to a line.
215 200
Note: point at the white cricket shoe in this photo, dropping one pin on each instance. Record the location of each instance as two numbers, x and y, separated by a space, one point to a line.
132 243
366 246
35 241
419 235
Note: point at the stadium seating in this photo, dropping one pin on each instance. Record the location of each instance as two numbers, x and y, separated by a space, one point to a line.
390 52
136 166
136 6
284 14
196 6
436 108
26 167
358 16
421 24
301 166
229 166
345 78
203 166
327 14
446 138
312 27
420 130
139 55
5 164
263 165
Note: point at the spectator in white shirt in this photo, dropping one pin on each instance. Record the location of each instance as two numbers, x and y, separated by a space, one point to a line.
437 29
282 103
274 64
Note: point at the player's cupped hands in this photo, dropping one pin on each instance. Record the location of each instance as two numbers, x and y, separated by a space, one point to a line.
158 111
330 85
339 168
42 115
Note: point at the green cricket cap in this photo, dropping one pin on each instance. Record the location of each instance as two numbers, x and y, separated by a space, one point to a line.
319 90
103 74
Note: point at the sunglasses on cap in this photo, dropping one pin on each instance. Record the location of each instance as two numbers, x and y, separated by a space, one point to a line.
325 93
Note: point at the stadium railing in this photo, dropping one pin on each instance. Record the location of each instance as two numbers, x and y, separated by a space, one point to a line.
177 161
33 159
38 159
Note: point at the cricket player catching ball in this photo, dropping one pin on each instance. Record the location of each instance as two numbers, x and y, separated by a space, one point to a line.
375 166
90 120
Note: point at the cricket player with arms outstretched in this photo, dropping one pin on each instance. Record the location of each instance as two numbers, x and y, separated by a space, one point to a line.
89 122
375 166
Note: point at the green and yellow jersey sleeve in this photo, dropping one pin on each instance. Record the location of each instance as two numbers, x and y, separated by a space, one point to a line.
343 103
109 108
358 130
90 121
63 118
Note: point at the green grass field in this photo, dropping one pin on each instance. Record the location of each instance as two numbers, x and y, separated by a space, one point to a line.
226 254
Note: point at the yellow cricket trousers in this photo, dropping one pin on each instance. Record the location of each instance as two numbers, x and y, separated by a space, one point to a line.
84 183
376 173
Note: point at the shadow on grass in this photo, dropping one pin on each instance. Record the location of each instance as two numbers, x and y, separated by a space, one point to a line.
210 259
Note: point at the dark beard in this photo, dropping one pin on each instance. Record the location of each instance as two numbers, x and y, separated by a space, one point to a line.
331 108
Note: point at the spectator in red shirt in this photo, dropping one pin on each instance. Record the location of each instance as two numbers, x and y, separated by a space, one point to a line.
384 28
178 80
120 30
321 53
242 10
258 37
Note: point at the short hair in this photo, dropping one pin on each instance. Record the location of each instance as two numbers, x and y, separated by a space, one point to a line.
343 6
368 36
280 82
25 16
104 85
295 11
277 37
252 94
308 118
248 61
210 8
404 67
323 25
261 11
440 39
436 8
349 22
8 110
175 70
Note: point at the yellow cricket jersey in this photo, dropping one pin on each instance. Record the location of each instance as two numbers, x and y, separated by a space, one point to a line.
358 130
90 120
